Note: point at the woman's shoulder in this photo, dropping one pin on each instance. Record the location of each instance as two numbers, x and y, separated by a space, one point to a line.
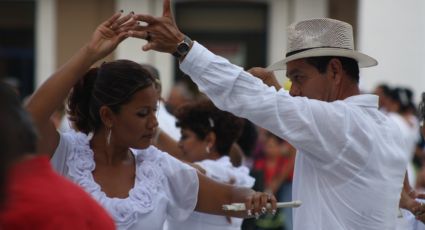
74 137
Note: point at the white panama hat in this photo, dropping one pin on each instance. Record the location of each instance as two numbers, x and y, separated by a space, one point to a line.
321 37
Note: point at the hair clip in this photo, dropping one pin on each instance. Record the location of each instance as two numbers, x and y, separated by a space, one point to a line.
211 122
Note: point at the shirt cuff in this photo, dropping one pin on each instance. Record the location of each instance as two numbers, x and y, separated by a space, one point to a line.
196 60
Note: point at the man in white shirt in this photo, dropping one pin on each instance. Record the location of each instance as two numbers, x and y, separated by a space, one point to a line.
349 169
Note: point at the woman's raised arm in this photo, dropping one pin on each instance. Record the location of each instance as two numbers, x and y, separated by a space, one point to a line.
55 89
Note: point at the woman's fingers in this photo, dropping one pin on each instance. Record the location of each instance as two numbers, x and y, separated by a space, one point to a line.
263 203
123 21
272 200
108 23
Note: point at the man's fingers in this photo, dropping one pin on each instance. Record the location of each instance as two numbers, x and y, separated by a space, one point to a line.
166 9
145 18
140 28
138 34
148 46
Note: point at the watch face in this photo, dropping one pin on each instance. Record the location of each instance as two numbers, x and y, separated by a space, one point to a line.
183 48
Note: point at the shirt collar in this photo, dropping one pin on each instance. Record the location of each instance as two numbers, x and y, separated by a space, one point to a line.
364 100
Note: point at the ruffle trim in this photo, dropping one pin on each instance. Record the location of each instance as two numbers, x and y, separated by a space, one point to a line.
125 211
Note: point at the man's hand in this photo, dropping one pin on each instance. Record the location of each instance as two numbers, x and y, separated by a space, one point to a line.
266 76
161 33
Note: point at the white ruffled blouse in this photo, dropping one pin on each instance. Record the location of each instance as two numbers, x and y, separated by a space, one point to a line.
164 188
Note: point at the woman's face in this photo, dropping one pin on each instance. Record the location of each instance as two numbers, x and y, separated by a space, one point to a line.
193 148
135 125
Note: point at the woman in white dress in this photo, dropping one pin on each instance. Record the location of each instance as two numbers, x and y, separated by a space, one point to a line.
207 136
113 108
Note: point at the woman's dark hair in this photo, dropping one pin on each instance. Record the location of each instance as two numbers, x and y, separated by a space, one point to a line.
203 117
112 84
17 133
350 66
404 97
421 108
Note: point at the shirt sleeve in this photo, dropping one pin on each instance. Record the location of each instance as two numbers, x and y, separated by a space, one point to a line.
182 189
58 160
312 126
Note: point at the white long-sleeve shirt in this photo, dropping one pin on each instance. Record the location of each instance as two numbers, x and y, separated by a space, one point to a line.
349 168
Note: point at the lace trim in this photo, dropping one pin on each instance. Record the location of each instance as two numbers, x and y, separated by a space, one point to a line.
149 180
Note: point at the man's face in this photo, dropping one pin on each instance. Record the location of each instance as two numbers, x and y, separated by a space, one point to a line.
308 82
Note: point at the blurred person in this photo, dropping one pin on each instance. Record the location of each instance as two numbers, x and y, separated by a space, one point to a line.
410 197
34 196
402 110
113 109
207 137
383 91
277 165
349 167
179 95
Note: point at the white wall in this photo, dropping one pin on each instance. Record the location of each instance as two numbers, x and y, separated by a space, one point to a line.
395 36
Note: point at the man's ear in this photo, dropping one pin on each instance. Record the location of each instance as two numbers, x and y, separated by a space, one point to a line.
106 115
336 70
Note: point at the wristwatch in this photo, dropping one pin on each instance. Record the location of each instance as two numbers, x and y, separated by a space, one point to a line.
183 47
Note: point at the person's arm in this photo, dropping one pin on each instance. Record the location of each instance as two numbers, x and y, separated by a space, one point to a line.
297 119
212 195
407 196
408 200
54 90
167 144
266 76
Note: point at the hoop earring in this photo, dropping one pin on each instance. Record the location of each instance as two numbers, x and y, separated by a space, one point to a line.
207 149
108 137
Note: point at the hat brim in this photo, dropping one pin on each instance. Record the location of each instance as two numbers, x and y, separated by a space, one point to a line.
362 59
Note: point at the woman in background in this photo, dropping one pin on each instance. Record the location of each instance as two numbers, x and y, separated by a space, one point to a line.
207 136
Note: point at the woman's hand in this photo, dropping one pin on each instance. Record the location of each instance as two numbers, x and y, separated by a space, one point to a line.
212 195
256 204
109 34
